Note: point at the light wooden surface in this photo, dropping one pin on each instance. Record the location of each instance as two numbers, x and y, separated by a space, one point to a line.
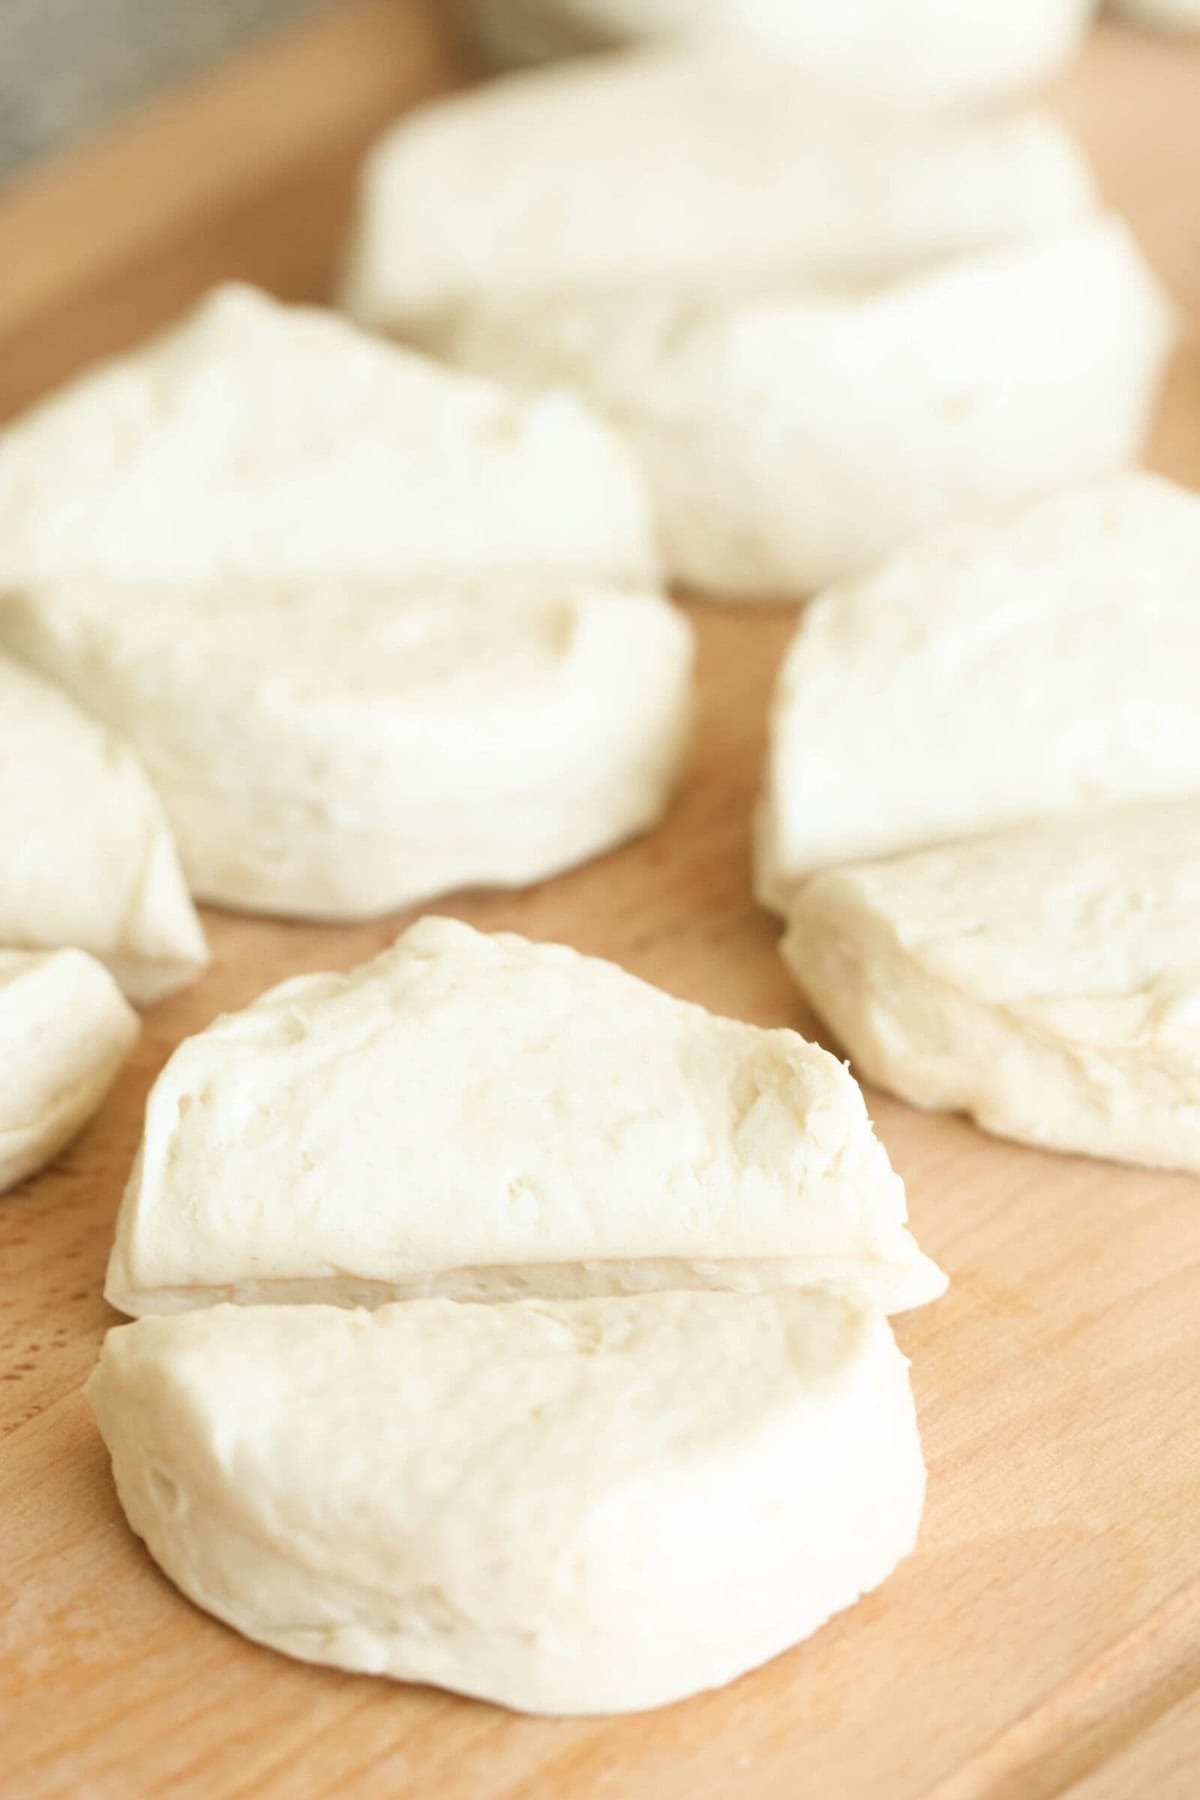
1045 1638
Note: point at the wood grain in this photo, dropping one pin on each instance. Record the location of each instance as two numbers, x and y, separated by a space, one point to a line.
1043 1641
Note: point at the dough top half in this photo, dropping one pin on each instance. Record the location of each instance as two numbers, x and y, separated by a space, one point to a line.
987 675
669 166
468 1105
256 439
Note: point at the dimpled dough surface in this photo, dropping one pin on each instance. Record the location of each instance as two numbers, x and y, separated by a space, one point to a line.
479 1115
257 439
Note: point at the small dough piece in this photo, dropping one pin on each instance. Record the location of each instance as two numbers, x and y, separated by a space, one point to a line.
1164 15
480 1117
885 52
988 676
335 751
1044 979
582 1507
88 860
724 166
64 1033
792 439
259 440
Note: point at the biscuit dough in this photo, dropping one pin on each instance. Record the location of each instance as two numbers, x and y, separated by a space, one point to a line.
792 438
1044 979
889 52
87 858
333 750
590 1507
259 440
988 676
482 1117
667 169
64 1032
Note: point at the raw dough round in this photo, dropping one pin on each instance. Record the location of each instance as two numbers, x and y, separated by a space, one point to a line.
335 751
88 860
64 1033
590 1507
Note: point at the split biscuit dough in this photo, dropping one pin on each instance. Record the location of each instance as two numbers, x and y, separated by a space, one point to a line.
483 1117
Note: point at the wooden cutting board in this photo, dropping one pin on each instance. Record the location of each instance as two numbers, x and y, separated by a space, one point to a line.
1045 1637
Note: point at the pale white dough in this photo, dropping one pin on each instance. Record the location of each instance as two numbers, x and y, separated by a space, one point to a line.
791 439
987 676
87 858
255 439
597 1506
888 52
64 1032
1167 15
480 1117
660 169
1044 979
335 750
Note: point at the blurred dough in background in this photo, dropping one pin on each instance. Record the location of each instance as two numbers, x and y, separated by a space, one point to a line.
903 52
683 169
88 860
334 750
792 436
64 1033
822 330
252 439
